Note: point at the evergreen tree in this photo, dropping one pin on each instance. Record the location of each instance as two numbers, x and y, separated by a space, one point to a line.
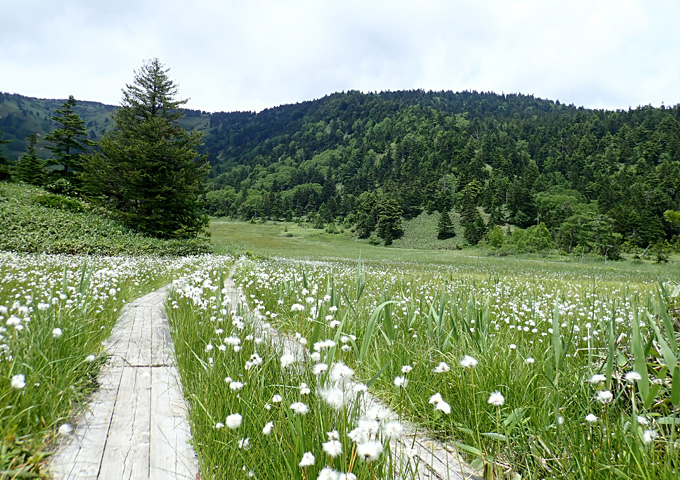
148 168
5 166
445 226
69 139
30 168
389 220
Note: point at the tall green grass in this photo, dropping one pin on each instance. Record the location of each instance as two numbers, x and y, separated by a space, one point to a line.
540 338
215 344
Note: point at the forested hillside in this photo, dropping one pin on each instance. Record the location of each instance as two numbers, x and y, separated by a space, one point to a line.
595 179
575 178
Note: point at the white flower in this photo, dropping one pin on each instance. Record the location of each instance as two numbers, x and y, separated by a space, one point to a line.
597 378
277 399
296 307
90 358
341 373
333 448
443 407
319 368
333 309
327 474
333 396
65 429
56 332
604 396
400 382
299 408
393 429
307 460
268 428
468 362
304 389
441 368
287 359
435 399
529 361
18 381
219 425
347 476
642 420
496 399
590 418
632 377
648 436
244 443
369 451
236 386
234 421
406 369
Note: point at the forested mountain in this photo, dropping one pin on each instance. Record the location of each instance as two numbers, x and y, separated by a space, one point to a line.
598 175
595 179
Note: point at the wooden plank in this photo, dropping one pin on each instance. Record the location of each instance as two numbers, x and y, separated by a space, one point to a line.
126 455
80 455
171 453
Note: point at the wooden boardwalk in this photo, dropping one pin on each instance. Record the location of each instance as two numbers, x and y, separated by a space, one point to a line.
136 425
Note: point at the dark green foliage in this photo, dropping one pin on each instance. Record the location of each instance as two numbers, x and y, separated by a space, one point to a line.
35 221
5 165
389 226
148 168
31 169
70 142
445 226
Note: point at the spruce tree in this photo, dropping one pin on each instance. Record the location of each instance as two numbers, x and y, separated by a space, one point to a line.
148 168
31 169
69 139
389 220
5 173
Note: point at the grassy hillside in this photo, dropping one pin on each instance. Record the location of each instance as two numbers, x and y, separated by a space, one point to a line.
36 221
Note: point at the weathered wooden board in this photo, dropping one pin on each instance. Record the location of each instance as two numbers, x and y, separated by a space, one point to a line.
135 426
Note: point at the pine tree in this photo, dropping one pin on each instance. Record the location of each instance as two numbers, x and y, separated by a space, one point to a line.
389 220
148 169
69 139
30 168
5 172
445 226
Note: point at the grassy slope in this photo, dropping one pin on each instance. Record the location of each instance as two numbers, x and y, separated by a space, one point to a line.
29 226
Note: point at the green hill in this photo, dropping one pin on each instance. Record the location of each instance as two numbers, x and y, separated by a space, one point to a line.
36 221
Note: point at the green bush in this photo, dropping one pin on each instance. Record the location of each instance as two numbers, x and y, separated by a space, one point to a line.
61 202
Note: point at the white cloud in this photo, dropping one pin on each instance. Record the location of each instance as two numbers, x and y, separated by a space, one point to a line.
233 55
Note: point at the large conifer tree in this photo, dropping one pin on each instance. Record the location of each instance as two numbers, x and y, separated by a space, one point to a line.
148 169
70 142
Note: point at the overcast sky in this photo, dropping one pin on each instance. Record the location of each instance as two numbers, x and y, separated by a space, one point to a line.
248 55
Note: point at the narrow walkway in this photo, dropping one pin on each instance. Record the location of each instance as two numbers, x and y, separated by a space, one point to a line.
136 425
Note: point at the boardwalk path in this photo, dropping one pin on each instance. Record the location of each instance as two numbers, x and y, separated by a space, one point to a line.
136 424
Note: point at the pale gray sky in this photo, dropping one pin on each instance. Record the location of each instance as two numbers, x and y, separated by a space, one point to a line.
248 55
